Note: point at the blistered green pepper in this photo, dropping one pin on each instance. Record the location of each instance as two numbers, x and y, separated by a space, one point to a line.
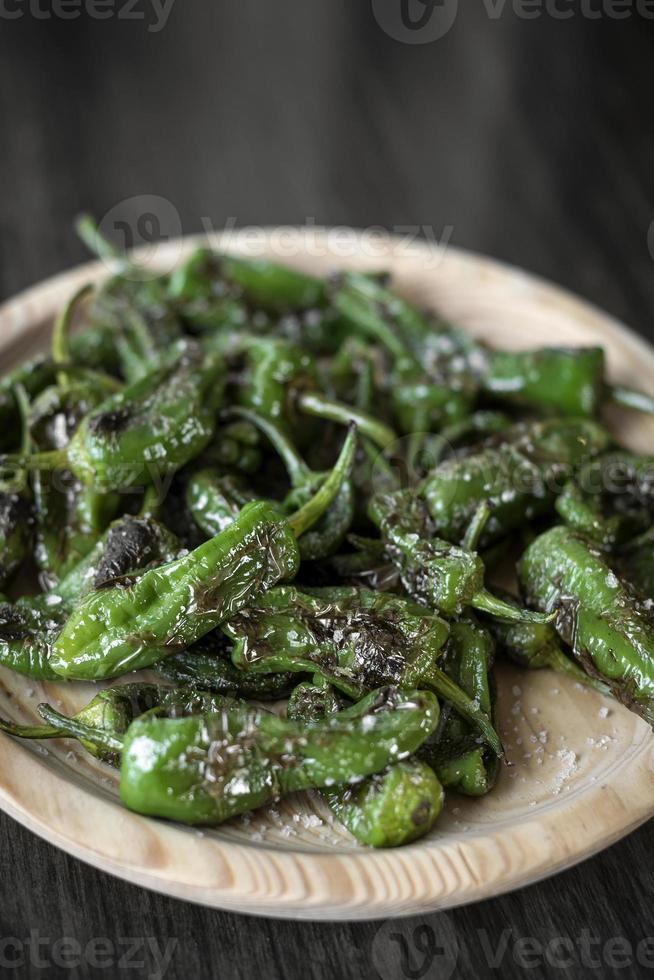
446 577
168 608
518 475
391 808
207 769
354 639
149 429
608 630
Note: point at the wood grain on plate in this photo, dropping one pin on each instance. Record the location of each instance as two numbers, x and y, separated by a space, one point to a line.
582 767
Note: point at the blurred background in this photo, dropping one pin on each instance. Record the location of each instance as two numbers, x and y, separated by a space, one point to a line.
530 138
515 132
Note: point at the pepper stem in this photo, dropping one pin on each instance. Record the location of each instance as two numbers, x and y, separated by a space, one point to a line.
37 461
61 330
446 688
298 471
72 728
318 405
475 528
29 731
313 510
487 603
87 228
629 398
558 661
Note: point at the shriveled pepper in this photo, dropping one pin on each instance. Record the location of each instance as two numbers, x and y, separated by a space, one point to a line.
207 769
167 609
354 639
149 429
608 630
518 474
445 576
391 808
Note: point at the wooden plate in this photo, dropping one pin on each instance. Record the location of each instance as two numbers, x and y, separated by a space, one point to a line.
582 772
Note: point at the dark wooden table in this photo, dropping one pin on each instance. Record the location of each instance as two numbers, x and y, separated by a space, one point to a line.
529 139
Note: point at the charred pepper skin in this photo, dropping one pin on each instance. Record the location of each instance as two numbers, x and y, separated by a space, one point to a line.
607 628
169 608
151 428
353 639
519 474
356 639
391 808
207 769
166 609
442 575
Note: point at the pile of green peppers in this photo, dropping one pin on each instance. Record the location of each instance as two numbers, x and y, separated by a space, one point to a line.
287 497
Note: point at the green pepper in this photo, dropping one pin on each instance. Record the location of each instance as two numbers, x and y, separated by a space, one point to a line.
270 285
112 711
518 474
454 751
423 397
557 381
28 628
636 563
607 628
275 371
69 515
610 499
33 377
149 429
201 296
207 769
215 500
446 577
129 545
171 607
16 510
330 531
354 639
205 666
391 808
536 646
